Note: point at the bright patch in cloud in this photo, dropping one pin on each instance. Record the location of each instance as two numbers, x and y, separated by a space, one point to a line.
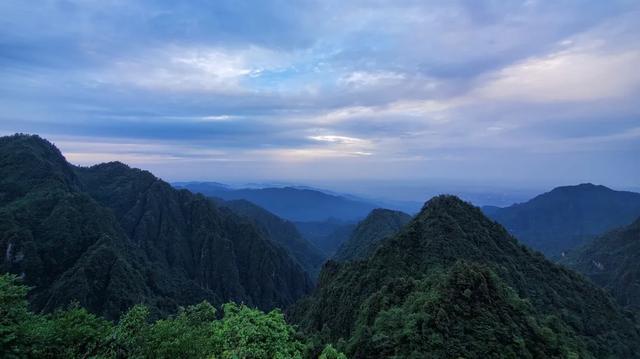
569 75
338 139
367 79
203 69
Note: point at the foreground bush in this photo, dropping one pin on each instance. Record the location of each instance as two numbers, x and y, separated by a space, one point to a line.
196 331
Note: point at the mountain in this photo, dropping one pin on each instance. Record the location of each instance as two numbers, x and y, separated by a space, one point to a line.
110 236
379 224
294 204
613 262
565 217
454 283
282 232
327 235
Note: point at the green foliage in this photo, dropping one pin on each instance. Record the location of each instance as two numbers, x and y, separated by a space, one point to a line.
613 262
248 333
129 335
467 312
14 316
109 237
282 232
194 332
70 333
330 352
73 333
455 284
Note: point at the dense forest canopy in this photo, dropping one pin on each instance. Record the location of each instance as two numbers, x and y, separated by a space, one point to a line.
613 262
282 232
196 331
110 237
454 283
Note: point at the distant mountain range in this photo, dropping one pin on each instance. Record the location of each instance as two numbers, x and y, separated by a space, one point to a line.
291 203
455 284
613 262
567 217
109 236
323 219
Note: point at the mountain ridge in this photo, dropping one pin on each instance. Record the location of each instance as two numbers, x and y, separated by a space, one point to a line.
282 232
364 240
612 261
408 299
291 203
109 236
567 216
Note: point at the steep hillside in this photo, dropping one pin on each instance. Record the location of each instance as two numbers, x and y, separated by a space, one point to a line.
613 262
565 217
282 232
327 235
379 224
294 204
110 236
455 284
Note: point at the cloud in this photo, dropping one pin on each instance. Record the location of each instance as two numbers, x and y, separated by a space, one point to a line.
329 88
568 75
367 79
338 139
192 69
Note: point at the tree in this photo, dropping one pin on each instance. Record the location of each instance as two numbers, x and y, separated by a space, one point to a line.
194 332
330 352
15 319
249 333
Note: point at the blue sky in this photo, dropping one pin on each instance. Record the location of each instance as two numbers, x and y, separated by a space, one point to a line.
536 93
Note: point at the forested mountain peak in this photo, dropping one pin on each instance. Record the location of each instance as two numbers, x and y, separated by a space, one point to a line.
581 188
568 216
32 163
116 166
37 145
368 234
110 236
445 203
381 213
450 284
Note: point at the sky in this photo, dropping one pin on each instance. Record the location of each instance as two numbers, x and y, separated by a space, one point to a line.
401 93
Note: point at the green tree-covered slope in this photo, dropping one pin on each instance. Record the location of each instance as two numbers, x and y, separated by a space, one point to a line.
282 232
567 217
196 331
378 225
327 235
455 284
110 237
613 262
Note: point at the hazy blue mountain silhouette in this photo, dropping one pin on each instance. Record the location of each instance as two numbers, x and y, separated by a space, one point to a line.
294 204
568 216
